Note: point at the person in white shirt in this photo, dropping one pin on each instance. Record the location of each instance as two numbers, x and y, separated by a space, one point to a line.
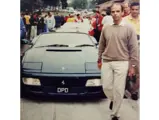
108 18
50 21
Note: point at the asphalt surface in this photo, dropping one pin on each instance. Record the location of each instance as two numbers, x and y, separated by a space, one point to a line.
33 109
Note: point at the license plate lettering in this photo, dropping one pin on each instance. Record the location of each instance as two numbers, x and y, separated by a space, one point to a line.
62 90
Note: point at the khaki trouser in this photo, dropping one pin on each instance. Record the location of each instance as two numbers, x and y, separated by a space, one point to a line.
113 75
33 32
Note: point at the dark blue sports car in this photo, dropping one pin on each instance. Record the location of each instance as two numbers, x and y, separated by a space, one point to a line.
61 64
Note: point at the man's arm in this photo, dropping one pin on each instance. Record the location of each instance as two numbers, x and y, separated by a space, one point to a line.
102 44
133 48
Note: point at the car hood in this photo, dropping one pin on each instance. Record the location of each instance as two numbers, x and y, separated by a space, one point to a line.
61 60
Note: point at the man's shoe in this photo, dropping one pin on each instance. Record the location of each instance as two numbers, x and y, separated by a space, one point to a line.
115 118
111 105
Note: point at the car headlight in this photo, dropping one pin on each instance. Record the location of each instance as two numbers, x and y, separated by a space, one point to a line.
93 82
31 81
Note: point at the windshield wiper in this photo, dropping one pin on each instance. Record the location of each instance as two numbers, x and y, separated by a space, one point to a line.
85 45
53 45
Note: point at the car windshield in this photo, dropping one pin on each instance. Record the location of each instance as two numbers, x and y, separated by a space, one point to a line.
67 39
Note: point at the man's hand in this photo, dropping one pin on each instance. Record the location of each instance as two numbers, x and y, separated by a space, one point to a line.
99 64
132 71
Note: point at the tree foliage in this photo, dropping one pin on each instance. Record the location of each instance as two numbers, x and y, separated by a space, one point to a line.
31 4
35 4
99 1
64 4
80 4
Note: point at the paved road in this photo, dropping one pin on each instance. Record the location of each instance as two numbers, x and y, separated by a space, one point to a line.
97 110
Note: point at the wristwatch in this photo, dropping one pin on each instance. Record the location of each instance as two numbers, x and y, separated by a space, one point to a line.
133 66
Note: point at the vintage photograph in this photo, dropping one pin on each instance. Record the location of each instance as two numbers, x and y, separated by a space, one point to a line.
80 59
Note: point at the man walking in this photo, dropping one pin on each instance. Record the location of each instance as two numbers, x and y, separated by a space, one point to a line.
118 49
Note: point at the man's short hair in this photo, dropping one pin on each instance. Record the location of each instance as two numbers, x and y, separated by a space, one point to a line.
126 2
116 3
134 4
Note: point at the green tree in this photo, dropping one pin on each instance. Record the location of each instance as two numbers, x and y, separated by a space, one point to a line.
79 4
64 4
31 4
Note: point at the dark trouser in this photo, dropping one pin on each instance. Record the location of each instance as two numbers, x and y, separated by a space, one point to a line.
138 37
28 29
39 31
97 34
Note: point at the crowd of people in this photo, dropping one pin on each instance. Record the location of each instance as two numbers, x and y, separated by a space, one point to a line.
34 24
131 16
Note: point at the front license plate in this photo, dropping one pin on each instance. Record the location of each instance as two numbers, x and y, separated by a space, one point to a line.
62 90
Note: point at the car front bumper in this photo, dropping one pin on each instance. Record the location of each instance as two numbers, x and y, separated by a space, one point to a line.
74 91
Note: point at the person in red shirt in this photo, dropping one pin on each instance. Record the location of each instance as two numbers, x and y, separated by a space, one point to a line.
66 17
79 19
97 24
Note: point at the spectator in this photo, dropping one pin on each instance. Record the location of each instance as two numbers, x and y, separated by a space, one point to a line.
97 24
22 29
126 7
134 17
33 23
118 49
58 21
50 21
27 24
45 24
71 18
108 18
79 18
41 24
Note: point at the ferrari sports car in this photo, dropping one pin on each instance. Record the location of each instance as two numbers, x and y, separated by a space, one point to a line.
61 64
